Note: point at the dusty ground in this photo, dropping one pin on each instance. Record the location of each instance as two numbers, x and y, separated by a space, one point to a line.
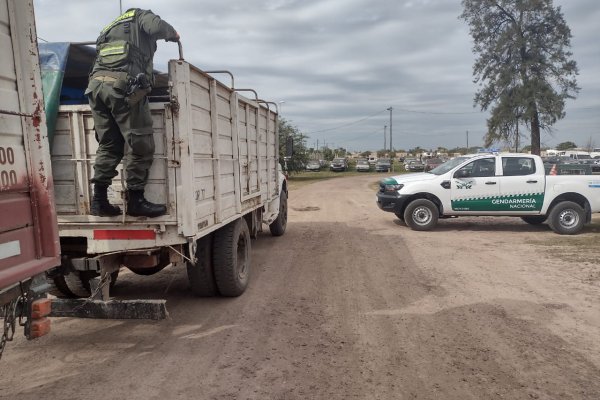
348 304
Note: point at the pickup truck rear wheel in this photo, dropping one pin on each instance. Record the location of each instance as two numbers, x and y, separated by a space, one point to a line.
535 219
566 218
231 257
421 215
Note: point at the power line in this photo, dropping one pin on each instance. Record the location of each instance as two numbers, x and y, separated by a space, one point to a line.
437 112
387 109
348 124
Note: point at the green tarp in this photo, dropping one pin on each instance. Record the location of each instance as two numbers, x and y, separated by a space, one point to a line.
53 60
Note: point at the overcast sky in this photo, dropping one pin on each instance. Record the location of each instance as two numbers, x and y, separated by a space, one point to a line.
337 65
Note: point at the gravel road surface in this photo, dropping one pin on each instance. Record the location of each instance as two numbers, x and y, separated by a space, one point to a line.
348 304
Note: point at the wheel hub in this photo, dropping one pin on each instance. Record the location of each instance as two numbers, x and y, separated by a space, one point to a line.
422 215
568 218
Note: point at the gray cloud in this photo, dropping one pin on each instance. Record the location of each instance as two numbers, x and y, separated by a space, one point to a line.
335 62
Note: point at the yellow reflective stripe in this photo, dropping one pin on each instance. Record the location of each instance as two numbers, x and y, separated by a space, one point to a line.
127 16
112 50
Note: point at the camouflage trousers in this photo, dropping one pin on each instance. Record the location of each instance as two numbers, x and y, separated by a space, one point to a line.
118 124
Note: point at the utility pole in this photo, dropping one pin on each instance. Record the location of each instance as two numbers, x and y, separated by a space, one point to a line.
517 138
391 146
467 142
384 137
121 6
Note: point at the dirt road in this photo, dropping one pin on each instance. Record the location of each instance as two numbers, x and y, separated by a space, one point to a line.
348 304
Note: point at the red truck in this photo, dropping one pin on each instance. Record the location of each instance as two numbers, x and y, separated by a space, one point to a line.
29 243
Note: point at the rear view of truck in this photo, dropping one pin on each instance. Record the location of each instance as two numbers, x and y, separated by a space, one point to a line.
28 229
215 167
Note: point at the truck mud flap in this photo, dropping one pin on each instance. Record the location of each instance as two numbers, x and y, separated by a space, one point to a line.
111 309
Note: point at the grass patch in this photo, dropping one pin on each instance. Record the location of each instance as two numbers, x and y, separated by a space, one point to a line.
582 248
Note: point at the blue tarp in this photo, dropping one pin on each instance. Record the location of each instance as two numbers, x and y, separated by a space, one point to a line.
53 62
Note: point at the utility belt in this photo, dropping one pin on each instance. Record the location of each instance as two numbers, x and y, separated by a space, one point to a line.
133 89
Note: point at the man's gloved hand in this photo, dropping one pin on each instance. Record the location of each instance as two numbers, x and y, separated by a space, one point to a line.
174 39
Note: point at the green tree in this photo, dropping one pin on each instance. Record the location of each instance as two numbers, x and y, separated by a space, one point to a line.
565 146
523 66
300 154
382 153
340 152
416 150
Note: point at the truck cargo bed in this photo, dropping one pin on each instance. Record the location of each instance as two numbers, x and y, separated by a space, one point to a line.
216 159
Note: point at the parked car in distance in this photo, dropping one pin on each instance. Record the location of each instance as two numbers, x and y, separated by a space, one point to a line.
338 164
414 166
362 165
383 165
372 160
313 166
558 160
431 163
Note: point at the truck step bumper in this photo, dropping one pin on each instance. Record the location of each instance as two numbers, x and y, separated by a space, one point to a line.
112 309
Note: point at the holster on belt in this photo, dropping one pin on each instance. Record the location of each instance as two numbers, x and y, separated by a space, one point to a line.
137 89
137 95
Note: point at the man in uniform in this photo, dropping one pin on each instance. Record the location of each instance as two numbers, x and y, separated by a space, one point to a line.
121 78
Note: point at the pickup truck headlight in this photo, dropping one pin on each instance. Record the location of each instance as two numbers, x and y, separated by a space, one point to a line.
393 188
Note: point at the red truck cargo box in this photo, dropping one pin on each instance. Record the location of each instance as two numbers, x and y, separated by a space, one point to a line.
28 229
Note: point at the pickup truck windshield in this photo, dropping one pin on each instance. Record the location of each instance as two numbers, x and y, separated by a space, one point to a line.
447 166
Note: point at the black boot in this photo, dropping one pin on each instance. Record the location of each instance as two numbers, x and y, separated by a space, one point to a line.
100 205
138 206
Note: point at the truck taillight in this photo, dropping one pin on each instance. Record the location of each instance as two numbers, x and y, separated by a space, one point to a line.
41 308
39 323
39 327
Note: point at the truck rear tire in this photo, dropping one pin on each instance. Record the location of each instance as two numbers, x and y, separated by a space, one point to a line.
76 284
231 257
278 226
566 218
421 215
200 274
534 219
59 288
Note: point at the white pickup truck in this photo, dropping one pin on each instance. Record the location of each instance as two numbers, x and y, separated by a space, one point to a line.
492 184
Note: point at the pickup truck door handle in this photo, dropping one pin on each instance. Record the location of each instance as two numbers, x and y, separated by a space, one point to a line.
531 181
490 183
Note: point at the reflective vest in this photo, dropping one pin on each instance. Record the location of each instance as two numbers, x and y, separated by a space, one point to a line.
118 47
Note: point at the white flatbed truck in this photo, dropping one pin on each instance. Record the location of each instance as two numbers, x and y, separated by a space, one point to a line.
216 167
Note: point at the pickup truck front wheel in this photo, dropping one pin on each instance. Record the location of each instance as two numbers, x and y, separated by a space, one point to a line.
421 215
567 218
278 226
